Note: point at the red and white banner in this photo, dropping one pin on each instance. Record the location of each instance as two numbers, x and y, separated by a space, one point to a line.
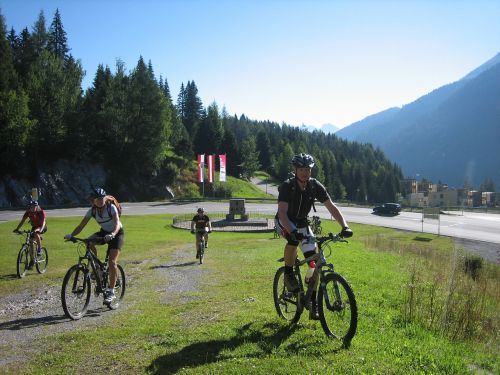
211 168
201 166
222 162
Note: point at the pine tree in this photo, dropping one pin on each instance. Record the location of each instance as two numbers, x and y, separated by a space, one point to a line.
8 76
193 110
39 34
210 132
264 149
57 41
148 119
14 114
250 157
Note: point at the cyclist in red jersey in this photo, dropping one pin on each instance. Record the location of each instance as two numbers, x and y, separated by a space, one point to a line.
37 218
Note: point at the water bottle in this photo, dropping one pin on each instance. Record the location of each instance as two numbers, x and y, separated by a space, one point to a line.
310 270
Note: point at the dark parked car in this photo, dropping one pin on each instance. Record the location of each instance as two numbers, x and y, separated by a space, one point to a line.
387 209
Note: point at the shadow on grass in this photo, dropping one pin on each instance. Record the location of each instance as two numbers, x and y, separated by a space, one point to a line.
422 239
35 322
19 324
268 338
12 276
174 265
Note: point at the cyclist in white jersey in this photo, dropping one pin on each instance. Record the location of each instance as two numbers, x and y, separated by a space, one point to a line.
107 216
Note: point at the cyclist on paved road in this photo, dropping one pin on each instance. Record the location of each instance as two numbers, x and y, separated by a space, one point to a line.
203 227
295 200
37 218
107 216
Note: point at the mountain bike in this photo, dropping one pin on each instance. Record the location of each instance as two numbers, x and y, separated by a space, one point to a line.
316 225
336 302
88 273
25 261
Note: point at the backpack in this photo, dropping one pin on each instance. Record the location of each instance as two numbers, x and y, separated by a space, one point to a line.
109 200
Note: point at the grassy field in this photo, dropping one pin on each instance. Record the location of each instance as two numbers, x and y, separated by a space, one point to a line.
227 323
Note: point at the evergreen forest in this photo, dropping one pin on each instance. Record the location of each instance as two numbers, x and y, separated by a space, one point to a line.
129 122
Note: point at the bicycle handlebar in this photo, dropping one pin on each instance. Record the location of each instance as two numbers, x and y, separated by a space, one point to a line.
24 231
85 240
322 239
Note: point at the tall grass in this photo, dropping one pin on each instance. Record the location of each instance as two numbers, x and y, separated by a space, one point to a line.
447 290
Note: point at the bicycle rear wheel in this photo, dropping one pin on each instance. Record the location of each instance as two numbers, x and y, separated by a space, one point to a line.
75 292
287 304
22 261
120 287
42 261
337 308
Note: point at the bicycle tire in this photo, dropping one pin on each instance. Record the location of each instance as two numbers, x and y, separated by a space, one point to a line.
42 261
287 304
201 251
22 261
75 292
120 287
339 318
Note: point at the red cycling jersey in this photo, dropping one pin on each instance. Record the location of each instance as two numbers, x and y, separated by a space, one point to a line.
36 218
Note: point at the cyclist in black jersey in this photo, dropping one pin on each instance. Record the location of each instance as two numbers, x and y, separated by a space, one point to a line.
203 226
295 200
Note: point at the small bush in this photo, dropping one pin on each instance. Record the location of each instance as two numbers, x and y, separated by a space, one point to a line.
473 266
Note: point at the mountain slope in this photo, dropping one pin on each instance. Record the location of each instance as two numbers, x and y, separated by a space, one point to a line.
447 135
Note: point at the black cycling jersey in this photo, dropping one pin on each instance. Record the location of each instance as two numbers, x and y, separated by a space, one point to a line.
300 202
201 221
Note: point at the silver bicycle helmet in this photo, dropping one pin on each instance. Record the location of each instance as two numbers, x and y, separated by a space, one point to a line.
98 193
303 161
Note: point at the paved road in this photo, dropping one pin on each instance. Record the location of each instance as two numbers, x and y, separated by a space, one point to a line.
472 226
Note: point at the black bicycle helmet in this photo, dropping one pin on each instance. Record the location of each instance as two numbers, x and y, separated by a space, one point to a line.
98 193
200 210
303 161
33 203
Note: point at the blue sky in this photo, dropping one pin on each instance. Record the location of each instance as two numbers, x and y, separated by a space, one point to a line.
300 62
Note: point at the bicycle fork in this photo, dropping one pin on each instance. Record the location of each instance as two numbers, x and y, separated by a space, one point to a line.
337 304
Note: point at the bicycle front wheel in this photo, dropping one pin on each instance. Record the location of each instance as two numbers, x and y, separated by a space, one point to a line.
42 261
120 287
201 251
75 292
337 308
287 304
22 261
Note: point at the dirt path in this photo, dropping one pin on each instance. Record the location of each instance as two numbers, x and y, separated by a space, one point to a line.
31 316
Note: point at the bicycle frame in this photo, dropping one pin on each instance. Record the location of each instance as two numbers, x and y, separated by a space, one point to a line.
29 240
94 262
320 270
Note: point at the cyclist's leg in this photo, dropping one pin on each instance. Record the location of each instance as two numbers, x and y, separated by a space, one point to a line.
113 266
31 251
114 248
206 236
198 235
96 235
38 238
